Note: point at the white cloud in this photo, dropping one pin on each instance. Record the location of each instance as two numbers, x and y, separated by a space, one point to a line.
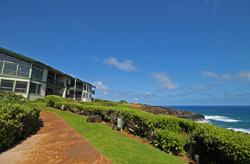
101 87
96 59
82 25
201 88
243 76
163 81
220 77
214 5
126 65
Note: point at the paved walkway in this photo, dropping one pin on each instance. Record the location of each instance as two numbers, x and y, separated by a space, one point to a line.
54 142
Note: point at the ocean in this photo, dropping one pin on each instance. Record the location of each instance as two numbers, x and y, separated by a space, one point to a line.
236 118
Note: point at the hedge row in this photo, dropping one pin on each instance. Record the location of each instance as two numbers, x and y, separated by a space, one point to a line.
175 135
18 118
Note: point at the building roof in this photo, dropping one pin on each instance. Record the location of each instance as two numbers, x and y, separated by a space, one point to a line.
40 63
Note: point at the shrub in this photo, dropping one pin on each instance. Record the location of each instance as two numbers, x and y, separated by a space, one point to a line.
39 100
51 99
123 101
101 100
17 120
11 97
175 135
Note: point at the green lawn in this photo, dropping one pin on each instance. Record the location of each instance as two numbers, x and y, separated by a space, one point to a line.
117 147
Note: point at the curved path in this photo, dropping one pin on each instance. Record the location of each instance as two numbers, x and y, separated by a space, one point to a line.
55 141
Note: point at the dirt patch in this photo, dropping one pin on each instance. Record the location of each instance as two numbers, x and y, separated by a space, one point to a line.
55 141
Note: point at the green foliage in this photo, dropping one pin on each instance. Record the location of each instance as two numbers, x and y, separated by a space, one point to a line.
117 147
18 119
172 134
101 100
51 99
123 101
11 97
39 100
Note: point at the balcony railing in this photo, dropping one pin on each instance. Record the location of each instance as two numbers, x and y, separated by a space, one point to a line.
55 82
52 93
77 86
72 96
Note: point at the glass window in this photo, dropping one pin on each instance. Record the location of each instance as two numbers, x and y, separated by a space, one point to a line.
10 68
84 95
38 89
2 56
37 73
24 62
11 59
40 77
6 85
23 70
33 87
1 66
85 87
21 87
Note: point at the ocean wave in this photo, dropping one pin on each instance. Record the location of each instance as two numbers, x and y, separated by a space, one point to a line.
221 118
240 130
204 121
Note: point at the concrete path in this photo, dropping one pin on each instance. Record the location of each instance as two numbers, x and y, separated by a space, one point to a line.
54 142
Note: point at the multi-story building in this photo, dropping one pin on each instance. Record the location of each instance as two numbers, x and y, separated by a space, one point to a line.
34 79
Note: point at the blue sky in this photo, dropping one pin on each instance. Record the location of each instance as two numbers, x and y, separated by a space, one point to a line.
161 52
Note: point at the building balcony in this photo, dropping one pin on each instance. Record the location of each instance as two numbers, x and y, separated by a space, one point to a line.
55 82
72 96
52 93
92 92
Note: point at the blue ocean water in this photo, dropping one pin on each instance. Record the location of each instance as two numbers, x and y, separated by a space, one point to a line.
231 117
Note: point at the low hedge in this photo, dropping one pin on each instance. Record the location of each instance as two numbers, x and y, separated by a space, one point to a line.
18 119
51 99
175 135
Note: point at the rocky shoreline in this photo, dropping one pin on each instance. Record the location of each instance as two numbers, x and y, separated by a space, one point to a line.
172 112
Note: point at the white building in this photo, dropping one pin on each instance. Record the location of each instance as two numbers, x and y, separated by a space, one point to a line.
34 79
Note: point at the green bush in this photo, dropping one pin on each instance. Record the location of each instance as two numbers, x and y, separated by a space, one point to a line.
123 101
101 100
175 135
18 119
39 100
11 97
51 99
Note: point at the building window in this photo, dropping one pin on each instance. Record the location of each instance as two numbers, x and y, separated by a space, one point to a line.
23 70
2 57
35 88
10 68
21 87
7 85
37 73
12 59
85 87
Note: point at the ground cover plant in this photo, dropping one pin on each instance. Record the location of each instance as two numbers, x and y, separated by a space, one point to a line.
174 135
117 147
18 118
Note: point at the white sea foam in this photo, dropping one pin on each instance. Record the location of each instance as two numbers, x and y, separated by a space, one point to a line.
220 118
204 121
240 130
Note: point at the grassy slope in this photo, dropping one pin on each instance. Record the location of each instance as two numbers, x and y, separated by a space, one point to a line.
116 146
